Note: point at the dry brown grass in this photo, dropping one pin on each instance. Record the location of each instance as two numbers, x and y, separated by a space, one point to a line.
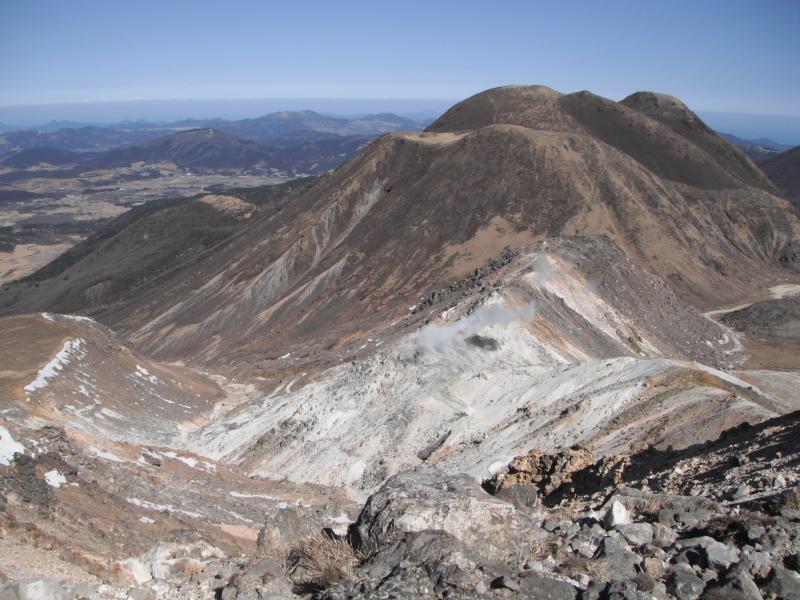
318 561
536 552
574 566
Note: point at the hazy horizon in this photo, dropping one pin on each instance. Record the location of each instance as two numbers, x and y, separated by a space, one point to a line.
165 110
783 129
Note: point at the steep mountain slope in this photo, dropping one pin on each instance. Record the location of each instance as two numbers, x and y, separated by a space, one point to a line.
413 211
148 245
567 343
89 138
68 370
784 171
657 131
90 467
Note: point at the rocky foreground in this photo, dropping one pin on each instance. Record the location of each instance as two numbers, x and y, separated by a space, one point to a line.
716 520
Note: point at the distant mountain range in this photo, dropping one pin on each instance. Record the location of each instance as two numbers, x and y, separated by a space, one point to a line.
206 149
757 149
88 138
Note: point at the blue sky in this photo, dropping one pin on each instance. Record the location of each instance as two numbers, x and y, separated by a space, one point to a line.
731 56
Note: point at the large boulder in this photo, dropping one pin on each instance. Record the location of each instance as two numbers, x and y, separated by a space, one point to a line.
538 474
284 528
426 499
426 534
261 580
43 589
174 559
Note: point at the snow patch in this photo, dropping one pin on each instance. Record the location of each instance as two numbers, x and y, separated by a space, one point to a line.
105 454
55 479
70 349
79 318
162 507
187 460
145 374
342 519
8 447
243 495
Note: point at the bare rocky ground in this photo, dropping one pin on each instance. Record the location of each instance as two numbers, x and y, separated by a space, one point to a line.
109 502
385 384
720 520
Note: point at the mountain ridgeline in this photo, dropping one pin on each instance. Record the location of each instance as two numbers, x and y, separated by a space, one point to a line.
413 211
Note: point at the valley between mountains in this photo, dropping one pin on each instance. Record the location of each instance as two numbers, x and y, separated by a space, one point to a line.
548 347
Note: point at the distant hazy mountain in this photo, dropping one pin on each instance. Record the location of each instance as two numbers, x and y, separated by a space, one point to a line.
268 127
56 125
195 148
30 157
206 149
262 129
757 149
89 138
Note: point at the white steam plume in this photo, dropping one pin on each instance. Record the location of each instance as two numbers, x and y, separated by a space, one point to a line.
440 338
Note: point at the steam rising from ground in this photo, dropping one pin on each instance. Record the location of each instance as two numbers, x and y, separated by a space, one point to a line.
543 270
441 338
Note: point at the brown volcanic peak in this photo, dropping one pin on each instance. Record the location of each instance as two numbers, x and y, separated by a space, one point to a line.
658 131
414 211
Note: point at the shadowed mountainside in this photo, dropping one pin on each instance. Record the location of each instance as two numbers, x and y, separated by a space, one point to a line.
784 171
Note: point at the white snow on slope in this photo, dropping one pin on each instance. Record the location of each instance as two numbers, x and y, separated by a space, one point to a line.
8 447
105 454
243 495
187 460
145 374
55 479
163 508
79 318
71 349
